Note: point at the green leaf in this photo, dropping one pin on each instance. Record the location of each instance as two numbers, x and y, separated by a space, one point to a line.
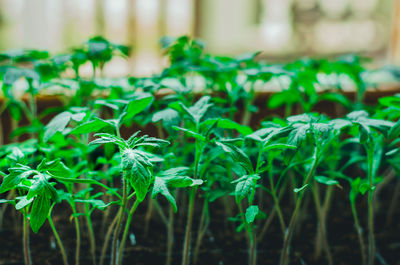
279 147
244 187
23 202
55 168
229 124
109 138
14 178
297 136
138 171
57 124
251 213
326 180
394 131
160 187
167 115
96 203
190 133
136 106
237 155
296 190
90 127
40 210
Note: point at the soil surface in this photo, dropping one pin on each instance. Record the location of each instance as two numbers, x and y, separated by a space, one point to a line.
221 244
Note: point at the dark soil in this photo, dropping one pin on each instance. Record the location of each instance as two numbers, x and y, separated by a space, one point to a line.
221 245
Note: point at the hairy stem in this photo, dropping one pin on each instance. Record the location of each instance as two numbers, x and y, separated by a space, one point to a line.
119 223
284 260
147 217
201 231
107 238
371 239
58 239
78 234
170 236
359 233
126 230
321 224
325 210
25 240
186 244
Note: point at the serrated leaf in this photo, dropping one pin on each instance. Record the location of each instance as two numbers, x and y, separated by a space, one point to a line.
237 155
14 178
160 187
40 210
298 135
55 167
244 187
251 213
137 170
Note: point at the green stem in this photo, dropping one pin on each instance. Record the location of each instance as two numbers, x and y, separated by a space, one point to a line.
284 260
78 235
126 230
371 239
359 233
147 217
170 236
92 239
321 223
57 236
250 237
25 240
203 225
186 244
107 238
275 198
119 223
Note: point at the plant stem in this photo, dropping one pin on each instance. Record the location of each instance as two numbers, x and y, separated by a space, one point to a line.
321 223
371 239
58 239
147 217
107 238
119 223
25 240
359 233
275 198
393 204
284 260
325 208
170 236
92 239
186 244
126 230
250 237
78 235
203 225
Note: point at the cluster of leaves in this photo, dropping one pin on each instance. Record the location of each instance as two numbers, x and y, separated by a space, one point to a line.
209 145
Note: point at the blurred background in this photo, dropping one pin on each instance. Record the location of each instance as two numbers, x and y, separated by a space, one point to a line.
282 29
